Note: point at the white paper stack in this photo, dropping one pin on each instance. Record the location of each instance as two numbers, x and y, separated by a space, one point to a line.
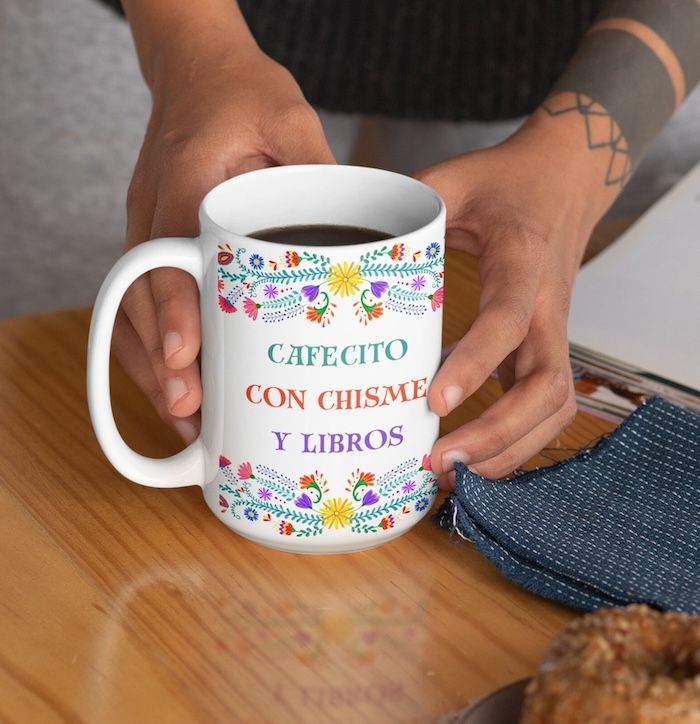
634 328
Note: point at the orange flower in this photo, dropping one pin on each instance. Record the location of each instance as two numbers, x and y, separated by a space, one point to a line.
367 478
376 311
306 480
286 528
313 315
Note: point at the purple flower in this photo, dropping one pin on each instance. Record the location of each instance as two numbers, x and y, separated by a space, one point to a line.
409 486
270 291
378 288
370 498
264 494
303 501
418 283
310 291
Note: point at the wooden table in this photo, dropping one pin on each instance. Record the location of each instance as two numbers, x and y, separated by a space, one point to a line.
128 604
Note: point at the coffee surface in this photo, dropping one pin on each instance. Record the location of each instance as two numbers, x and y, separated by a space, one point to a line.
320 235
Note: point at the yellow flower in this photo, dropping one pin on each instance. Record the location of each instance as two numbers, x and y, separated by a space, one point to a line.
345 278
336 513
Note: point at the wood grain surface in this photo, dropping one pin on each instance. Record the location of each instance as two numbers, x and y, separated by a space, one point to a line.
128 604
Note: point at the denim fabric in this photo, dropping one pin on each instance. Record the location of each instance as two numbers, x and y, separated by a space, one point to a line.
616 524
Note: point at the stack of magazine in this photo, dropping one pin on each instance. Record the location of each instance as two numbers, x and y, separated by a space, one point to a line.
634 329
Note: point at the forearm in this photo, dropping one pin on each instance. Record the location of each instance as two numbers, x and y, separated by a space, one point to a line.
183 31
633 68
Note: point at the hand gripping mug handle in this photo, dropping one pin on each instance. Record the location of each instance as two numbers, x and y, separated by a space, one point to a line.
187 467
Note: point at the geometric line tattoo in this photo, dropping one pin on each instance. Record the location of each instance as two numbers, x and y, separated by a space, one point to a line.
602 132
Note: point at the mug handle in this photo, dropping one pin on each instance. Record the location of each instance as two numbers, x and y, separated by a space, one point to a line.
187 467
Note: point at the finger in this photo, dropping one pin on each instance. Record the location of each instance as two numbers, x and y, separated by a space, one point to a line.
446 481
543 386
176 300
181 388
527 447
506 372
174 292
131 355
532 400
508 300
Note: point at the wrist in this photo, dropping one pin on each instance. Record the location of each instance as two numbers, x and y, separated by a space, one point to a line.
575 173
183 39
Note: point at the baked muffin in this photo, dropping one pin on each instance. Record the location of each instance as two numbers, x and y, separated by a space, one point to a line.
629 665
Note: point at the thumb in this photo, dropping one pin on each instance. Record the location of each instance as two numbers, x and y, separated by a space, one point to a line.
451 180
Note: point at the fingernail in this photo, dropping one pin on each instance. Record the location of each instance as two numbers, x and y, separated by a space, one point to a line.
172 343
186 430
175 389
451 457
452 394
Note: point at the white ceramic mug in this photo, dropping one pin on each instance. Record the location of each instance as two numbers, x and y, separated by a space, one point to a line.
315 361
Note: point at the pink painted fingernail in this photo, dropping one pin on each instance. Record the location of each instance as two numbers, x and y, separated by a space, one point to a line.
450 457
186 430
172 344
175 390
452 395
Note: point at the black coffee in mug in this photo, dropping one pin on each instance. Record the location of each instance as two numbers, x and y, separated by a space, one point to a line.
320 235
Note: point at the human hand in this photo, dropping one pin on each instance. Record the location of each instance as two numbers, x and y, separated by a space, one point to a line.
226 114
526 212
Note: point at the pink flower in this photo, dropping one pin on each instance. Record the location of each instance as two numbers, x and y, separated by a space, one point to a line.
225 305
223 461
223 502
425 464
251 308
437 298
245 471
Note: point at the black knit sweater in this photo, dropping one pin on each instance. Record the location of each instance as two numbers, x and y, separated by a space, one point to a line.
427 59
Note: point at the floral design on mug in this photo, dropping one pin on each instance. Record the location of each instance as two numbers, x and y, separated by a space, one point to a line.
391 278
306 508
